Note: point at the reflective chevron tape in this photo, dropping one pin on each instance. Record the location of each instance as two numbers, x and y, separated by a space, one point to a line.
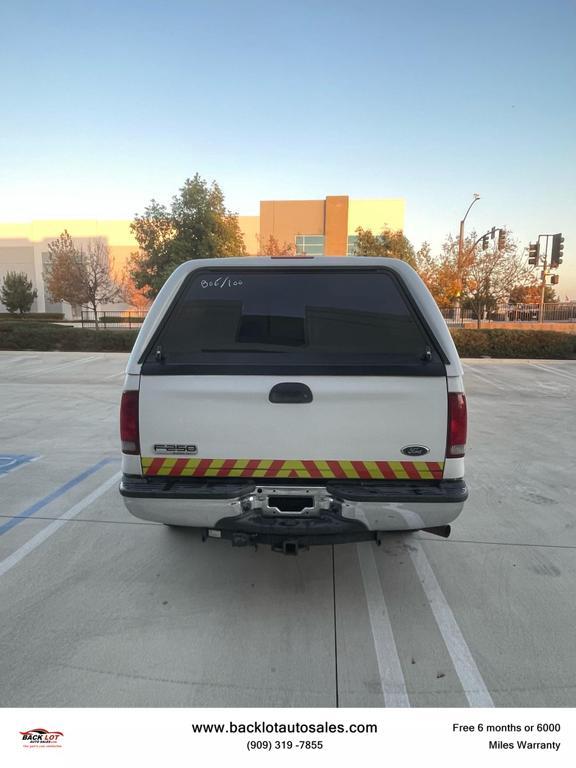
359 470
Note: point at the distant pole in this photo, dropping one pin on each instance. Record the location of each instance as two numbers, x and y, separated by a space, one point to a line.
461 248
461 238
543 284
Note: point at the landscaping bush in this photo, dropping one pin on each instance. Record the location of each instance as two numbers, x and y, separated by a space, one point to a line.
469 342
484 342
49 317
45 337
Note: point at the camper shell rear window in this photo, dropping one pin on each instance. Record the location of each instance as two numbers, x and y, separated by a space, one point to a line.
290 320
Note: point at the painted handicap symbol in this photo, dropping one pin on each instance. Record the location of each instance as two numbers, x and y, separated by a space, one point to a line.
9 462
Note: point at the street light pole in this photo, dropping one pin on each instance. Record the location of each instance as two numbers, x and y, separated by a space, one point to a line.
461 238
461 253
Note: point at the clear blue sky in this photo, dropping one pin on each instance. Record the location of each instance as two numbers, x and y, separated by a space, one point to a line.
105 105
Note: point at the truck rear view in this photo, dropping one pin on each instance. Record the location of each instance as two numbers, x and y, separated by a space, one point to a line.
295 402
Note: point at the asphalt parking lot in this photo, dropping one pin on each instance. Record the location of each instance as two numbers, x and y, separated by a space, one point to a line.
101 609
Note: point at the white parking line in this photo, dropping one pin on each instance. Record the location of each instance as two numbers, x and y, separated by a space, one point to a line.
59 367
484 378
553 370
13 411
474 687
45 533
10 360
389 666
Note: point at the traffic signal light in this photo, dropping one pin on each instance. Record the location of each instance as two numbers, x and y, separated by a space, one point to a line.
534 254
492 233
557 250
555 279
485 242
501 239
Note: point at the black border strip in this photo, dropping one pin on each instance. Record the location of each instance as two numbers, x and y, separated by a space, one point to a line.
435 370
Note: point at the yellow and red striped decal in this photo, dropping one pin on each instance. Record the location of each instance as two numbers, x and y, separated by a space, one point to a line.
359 470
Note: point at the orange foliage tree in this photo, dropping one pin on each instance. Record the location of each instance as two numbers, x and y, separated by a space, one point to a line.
273 248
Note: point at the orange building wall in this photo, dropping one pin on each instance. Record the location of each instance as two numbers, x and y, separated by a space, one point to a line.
336 226
250 228
287 218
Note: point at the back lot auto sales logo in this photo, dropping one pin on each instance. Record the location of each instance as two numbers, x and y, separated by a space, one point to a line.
40 737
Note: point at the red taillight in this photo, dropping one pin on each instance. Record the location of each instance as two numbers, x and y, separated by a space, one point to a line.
457 425
129 433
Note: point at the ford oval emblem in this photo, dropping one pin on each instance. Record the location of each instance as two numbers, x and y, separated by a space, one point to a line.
415 450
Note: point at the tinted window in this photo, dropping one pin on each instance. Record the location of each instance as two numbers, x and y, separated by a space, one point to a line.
291 317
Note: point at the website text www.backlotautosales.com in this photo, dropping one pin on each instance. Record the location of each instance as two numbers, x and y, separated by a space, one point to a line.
271 736
275 728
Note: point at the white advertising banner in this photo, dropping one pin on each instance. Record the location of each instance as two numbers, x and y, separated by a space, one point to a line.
242 737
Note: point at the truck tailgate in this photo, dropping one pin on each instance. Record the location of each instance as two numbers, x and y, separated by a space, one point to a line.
355 426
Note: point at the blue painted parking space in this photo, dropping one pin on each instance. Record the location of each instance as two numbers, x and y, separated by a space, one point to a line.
8 462
56 493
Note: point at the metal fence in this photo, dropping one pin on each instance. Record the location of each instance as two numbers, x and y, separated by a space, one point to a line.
125 319
561 312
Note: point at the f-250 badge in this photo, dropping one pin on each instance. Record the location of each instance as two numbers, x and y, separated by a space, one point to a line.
175 448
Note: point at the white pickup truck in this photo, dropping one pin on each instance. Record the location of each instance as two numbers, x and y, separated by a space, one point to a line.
294 401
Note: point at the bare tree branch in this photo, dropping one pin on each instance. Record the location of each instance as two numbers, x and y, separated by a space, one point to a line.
81 275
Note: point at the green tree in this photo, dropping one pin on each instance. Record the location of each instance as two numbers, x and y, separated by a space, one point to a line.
490 276
17 293
530 294
196 226
389 243
478 280
81 274
425 264
440 271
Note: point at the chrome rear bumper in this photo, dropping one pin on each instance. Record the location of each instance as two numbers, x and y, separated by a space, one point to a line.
309 510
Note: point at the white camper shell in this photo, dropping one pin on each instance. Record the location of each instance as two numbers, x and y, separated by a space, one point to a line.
294 401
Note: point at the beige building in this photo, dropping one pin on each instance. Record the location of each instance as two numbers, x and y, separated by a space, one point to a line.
24 248
317 227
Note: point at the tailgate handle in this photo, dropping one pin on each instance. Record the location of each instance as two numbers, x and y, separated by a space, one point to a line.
290 392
